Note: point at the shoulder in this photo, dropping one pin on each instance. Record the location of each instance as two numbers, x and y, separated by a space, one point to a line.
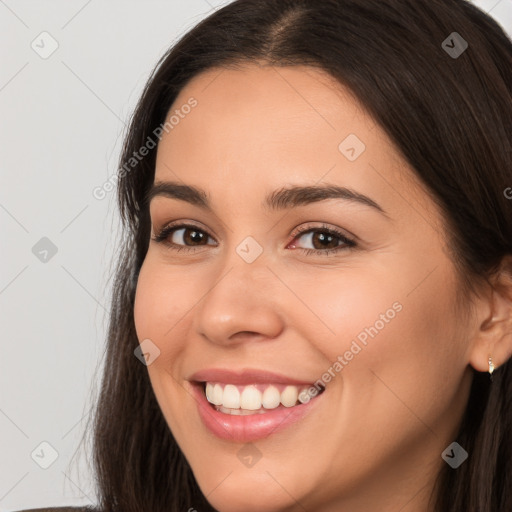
61 509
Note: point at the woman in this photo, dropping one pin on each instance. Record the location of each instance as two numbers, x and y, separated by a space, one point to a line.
313 303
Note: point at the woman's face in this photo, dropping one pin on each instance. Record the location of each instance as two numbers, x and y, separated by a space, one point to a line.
361 301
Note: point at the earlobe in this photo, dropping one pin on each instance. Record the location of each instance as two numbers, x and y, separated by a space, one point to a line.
492 344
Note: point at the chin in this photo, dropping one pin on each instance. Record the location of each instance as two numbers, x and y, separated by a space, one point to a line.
245 494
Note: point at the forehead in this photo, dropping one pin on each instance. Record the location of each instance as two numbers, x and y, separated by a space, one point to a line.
257 110
262 127
267 104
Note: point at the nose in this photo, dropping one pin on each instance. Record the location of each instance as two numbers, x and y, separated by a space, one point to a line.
240 305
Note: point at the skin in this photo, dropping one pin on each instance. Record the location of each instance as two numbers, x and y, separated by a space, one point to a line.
375 440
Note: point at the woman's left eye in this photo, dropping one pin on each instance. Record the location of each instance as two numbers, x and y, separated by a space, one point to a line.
324 239
328 239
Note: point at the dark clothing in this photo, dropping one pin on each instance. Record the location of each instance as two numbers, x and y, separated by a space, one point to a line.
61 509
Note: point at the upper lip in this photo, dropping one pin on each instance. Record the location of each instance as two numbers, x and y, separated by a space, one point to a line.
245 377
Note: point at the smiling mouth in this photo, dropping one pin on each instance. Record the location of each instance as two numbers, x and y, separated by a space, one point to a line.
251 404
238 400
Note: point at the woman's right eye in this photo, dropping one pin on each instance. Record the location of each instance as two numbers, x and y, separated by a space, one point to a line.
177 237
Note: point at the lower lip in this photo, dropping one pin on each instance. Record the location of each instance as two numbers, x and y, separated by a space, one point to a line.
252 426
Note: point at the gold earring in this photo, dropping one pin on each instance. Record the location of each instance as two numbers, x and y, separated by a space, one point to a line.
491 367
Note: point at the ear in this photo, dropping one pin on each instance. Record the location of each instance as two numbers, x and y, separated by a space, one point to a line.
493 336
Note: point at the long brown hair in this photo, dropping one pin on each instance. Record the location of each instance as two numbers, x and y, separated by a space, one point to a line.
449 115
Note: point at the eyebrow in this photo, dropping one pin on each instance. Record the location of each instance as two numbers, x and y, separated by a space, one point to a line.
280 199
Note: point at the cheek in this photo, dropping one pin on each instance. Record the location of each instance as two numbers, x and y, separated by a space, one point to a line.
158 308
349 309
158 305
391 342
408 376
146 307
377 315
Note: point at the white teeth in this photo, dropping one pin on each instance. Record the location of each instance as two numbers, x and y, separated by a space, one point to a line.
231 397
271 398
249 398
289 396
214 393
239 412
209 392
217 394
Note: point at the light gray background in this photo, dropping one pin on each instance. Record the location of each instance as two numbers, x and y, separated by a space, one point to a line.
62 120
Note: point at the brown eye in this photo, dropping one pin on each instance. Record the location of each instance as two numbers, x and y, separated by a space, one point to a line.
182 236
190 236
324 240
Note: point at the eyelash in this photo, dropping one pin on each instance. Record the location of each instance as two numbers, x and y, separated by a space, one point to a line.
163 235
